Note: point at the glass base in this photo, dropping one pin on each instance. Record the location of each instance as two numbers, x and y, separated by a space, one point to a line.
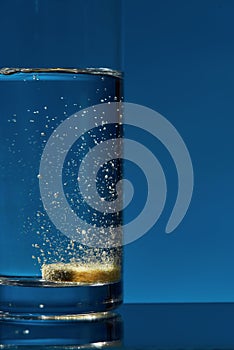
30 298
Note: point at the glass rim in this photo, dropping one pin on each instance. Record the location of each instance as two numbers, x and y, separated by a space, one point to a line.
90 70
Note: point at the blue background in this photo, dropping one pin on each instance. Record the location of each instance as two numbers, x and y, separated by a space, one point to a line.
178 60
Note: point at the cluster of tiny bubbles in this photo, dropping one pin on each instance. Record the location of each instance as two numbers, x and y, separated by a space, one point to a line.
105 179
50 245
56 247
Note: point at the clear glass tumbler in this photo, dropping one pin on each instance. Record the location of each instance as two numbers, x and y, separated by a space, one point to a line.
60 161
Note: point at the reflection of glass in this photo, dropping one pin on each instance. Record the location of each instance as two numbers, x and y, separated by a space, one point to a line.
106 332
44 271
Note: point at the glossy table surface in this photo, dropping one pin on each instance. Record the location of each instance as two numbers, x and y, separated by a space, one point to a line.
134 326
179 326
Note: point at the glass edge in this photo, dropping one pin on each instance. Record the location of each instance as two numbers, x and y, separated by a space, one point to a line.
91 70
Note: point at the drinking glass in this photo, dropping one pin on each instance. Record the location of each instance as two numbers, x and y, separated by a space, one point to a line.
60 159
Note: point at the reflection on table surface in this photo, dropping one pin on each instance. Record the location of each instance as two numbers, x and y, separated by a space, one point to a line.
62 334
135 326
